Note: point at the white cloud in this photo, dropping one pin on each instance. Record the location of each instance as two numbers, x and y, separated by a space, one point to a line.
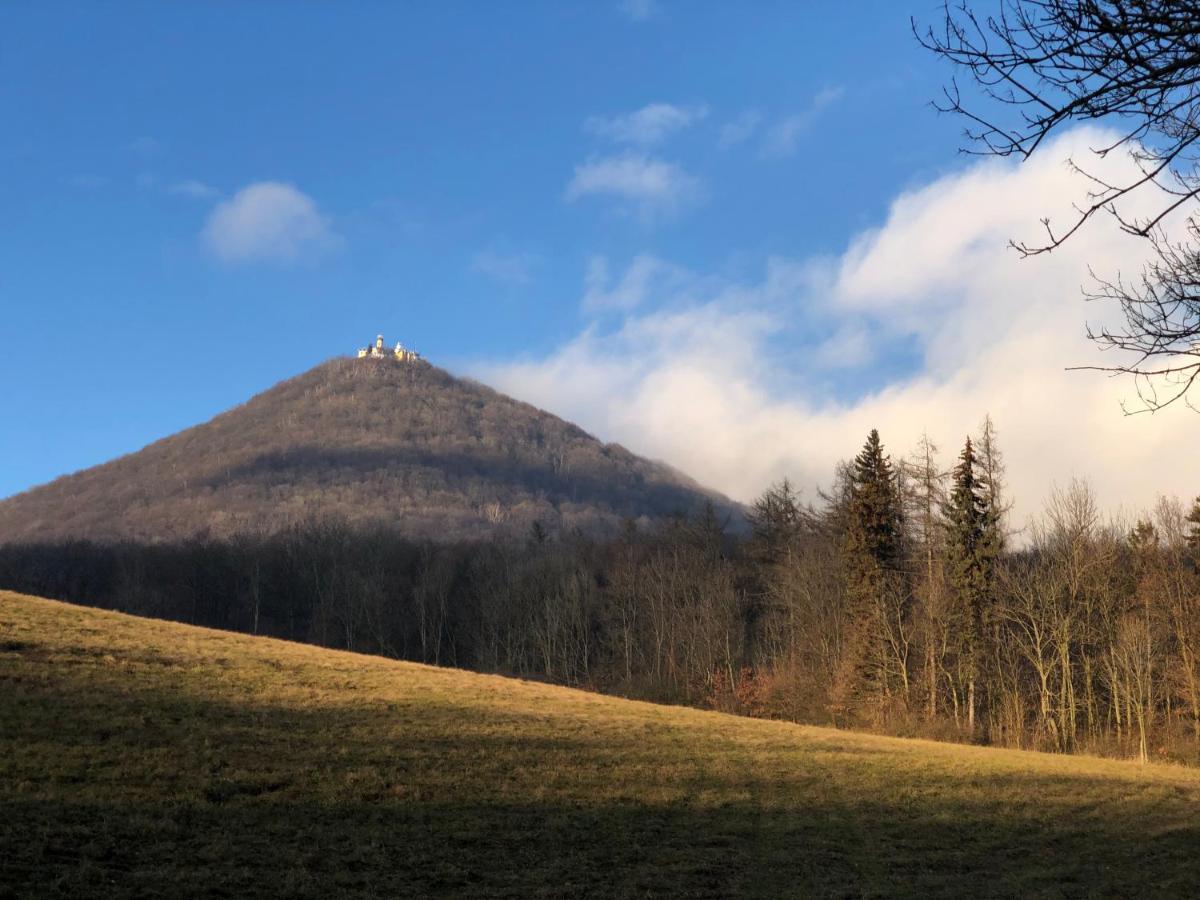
737 382
650 188
508 268
782 137
739 130
639 10
267 220
192 188
649 125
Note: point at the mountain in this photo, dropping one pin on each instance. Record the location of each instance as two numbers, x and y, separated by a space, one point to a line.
370 440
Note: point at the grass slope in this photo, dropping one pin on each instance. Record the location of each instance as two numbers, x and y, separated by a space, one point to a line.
141 757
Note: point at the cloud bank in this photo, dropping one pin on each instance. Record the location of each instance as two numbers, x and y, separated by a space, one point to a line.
925 323
270 221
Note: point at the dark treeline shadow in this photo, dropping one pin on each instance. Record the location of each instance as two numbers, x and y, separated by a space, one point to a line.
650 613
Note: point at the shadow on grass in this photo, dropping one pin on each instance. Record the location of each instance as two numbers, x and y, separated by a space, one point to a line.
111 788
249 845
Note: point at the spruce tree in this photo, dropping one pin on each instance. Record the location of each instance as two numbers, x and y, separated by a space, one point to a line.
873 546
873 537
1193 535
970 563
990 475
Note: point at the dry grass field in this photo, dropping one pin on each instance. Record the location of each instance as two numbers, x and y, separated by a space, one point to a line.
139 757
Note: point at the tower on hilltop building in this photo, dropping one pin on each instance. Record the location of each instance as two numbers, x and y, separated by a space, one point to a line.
376 351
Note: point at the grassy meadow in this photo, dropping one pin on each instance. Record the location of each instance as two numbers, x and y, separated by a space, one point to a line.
140 757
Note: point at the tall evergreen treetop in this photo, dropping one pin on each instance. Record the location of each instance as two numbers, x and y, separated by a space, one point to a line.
1193 519
968 529
875 527
971 549
873 547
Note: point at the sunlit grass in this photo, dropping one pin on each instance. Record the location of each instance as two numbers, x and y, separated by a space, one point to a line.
143 757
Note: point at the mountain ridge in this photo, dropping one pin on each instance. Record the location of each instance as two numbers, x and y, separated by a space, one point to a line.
371 441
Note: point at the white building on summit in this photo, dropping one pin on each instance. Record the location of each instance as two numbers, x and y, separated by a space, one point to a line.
378 351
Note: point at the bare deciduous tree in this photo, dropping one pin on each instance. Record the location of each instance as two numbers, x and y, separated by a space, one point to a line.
1041 65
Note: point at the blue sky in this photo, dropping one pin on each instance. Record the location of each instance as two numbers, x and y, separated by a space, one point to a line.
202 199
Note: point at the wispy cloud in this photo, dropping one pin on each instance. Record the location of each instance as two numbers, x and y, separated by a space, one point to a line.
783 136
652 124
192 188
649 188
507 268
646 276
850 346
739 130
639 10
267 220
152 181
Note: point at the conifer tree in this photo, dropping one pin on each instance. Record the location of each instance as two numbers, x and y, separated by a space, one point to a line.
873 538
990 477
873 548
970 566
1193 533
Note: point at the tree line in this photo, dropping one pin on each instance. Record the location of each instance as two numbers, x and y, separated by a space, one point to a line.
896 601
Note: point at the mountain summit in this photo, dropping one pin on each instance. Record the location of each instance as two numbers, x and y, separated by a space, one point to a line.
382 438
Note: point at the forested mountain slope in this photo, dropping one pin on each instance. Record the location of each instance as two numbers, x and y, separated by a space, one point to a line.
362 440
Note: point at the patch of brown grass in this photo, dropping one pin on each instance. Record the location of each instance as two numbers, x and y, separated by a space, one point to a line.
143 757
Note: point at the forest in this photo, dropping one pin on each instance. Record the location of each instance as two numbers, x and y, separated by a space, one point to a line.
898 601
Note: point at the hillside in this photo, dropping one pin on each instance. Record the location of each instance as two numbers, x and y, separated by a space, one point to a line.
141 757
405 444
